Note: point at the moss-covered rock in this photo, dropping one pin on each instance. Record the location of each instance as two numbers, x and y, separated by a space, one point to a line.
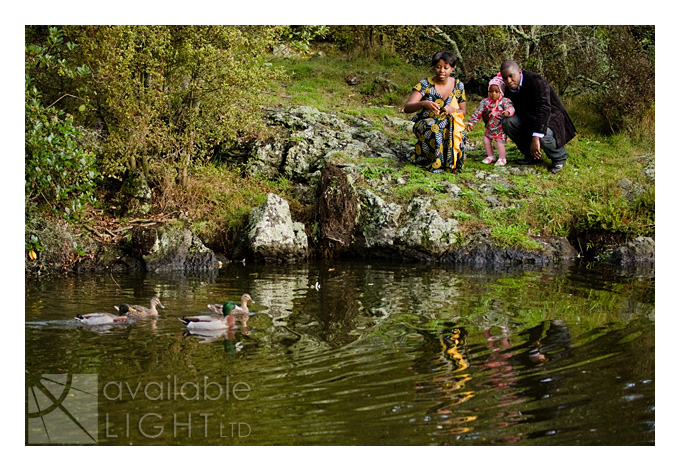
377 221
639 250
136 193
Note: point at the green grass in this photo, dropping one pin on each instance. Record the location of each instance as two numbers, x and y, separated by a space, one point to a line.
586 196
220 200
321 82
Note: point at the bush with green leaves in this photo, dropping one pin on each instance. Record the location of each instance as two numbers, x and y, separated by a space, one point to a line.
300 36
167 96
59 173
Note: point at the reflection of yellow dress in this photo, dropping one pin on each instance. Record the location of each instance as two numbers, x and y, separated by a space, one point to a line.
441 137
455 355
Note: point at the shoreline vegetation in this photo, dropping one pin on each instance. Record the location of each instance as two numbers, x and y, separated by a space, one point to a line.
114 171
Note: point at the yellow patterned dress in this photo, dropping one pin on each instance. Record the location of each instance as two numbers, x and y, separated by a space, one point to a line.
441 137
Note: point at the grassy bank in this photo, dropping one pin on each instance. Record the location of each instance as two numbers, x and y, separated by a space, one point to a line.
602 197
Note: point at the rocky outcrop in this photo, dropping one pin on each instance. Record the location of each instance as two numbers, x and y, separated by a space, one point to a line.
424 233
319 141
639 250
272 234
377 221
171 249
480 250
316 141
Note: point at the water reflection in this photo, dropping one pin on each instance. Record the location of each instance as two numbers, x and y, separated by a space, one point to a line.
374 353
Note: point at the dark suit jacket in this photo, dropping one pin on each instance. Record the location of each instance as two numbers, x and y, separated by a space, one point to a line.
538 105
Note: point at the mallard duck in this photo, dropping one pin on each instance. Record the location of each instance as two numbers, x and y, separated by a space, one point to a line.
140 312
242 309
212 322
103 318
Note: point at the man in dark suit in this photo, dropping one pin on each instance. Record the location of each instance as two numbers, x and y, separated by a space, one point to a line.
540 121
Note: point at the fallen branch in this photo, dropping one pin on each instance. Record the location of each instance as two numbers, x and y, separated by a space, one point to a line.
97 233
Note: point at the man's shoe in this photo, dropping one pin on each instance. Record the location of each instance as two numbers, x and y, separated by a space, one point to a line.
527 161
557 167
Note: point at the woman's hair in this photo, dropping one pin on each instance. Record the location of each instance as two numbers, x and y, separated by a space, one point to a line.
446 56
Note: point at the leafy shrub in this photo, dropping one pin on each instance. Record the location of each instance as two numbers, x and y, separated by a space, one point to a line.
626 90
300 36
59 173
163 97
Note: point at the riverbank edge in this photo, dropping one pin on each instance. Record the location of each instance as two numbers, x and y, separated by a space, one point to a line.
74 251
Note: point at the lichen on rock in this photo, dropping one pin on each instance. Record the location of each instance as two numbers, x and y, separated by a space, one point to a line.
272 235
425 230
172 249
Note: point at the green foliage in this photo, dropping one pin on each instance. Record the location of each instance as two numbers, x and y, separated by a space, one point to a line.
33 243
165 97
625 92
374 170
513 235
299 37
59 174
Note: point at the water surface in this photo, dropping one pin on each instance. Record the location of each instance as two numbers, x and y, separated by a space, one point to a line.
348 353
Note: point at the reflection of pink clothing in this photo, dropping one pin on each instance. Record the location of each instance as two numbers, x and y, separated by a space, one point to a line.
494 128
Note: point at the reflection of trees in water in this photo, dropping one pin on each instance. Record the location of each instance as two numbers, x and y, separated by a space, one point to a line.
339 301
353 299
350 299
342 303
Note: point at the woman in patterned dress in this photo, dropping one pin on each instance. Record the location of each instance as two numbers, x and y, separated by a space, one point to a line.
440 103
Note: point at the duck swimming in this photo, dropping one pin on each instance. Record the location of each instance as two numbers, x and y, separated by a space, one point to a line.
242 309
141 312
212 322
104 318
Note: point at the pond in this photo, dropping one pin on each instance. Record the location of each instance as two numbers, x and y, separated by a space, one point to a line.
348 353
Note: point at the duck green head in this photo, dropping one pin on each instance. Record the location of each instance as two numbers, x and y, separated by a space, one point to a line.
228 307
124 309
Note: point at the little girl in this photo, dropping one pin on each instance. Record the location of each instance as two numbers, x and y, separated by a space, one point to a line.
492 110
